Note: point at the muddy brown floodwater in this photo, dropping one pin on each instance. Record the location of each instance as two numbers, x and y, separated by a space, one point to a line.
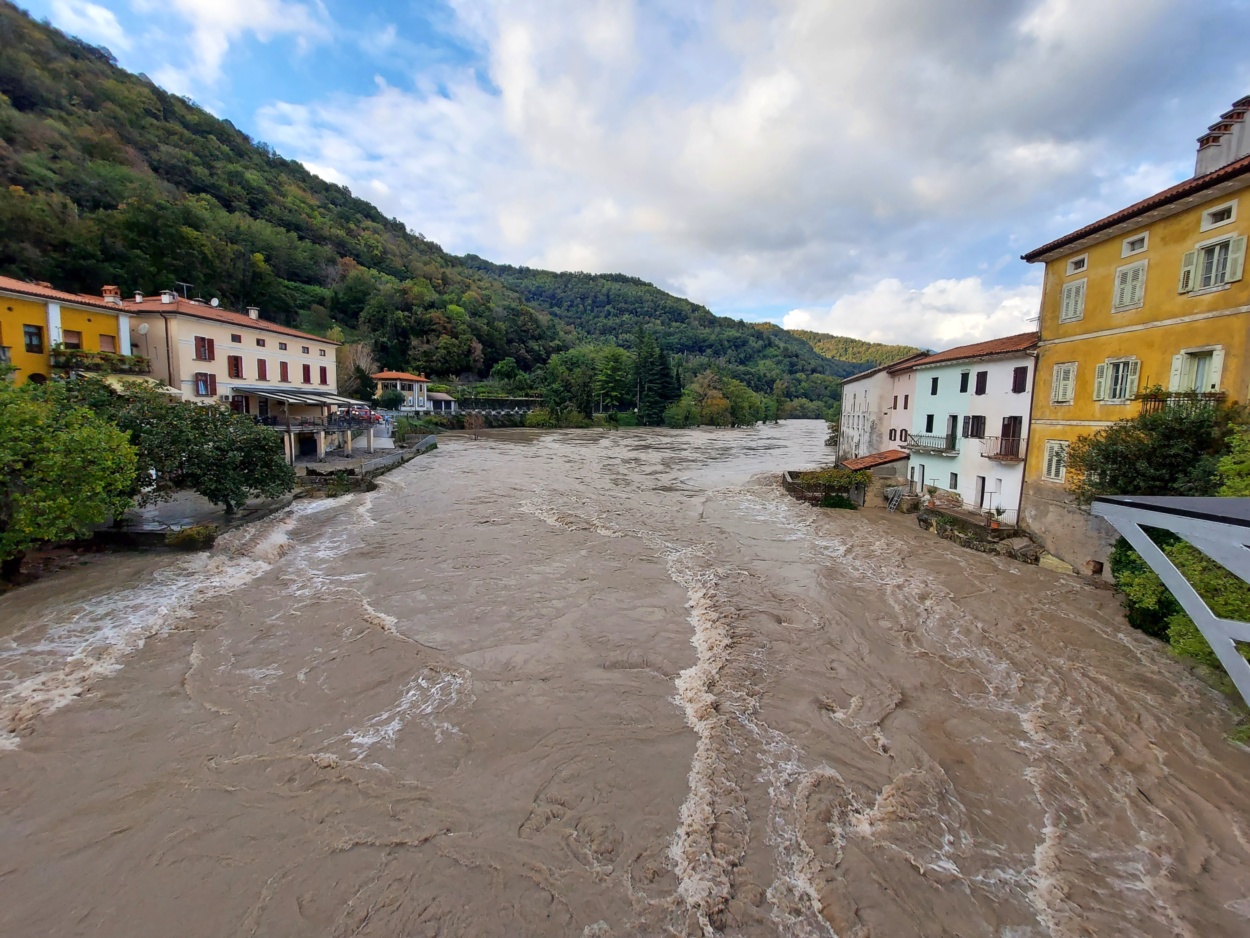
604 684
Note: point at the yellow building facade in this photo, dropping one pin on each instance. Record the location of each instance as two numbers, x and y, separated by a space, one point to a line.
1147 304
38 324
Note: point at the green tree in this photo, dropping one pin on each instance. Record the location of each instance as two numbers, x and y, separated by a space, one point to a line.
391 399
614 383
63 471
1233 469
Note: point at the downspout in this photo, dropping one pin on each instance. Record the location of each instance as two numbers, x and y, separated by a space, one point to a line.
169 360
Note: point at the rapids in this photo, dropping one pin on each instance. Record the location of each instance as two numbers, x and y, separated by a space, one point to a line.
604 684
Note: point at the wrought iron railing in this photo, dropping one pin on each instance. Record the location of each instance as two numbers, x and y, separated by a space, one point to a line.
1005 448
73 359
938 444
1154 401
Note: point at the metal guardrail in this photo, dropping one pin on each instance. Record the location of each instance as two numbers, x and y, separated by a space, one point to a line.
1005 448
317 423
1185 400
948 443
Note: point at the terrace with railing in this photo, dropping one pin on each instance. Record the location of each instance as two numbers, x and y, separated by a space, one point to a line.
1154 401
73 359
931 443
1005 448
335 422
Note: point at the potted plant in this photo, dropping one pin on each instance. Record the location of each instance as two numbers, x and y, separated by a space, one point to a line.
932 490
997 520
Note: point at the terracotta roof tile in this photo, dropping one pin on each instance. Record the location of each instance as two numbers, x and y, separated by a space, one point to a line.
1011 343
1159 199
399 376
215 314
875 459
888 366
38 291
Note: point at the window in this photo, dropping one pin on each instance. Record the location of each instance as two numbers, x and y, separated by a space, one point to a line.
906 397
933 383
1056 461
33 337
323 375
894 406
205 349
1020 379
205 384
236 338
1212 264
108 343
321 352
1130 287
1062 383
928 423
71 338
1116 381
308 374
303 349
1078 264
974 426
260 343
954 481
1197 370
983 380
1072 306
281 346
284 373
262 370
893 435
1220 215
234 366
1135 245
902 436
963 382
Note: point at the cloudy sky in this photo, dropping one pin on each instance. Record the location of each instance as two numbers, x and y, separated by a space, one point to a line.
864 168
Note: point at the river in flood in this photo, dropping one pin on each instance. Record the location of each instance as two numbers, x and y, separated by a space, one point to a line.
604 684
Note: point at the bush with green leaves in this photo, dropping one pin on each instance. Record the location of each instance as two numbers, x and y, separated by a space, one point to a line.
391 399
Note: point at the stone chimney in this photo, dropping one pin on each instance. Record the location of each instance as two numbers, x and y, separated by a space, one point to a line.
112 295
138 297
168 296
253 312
1226 141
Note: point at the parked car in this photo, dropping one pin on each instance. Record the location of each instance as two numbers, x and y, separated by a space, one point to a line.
361 412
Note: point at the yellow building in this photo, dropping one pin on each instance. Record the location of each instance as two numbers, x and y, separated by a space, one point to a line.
1145 304
45 331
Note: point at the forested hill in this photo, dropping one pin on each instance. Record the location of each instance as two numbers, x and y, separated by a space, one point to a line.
612 307
105 178
846 349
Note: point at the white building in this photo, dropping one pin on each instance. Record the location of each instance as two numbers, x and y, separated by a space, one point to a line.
969 420
871 407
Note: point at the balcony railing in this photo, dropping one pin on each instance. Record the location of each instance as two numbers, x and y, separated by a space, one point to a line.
1154 401
279 422
73 359
924 443
1005 448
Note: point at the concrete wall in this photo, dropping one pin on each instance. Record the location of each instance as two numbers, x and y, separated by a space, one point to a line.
1050 515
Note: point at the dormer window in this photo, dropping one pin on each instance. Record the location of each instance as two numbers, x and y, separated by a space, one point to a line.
1135 244
1077 264
1219 215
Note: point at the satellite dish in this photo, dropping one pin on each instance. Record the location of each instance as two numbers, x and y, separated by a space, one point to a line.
214 302
143 328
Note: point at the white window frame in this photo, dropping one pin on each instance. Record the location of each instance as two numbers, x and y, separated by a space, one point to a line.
1075 311
1104 381
1055 446
1191 264
1056 383
1208 224
1115 286
1177 375
1083 260
1143 236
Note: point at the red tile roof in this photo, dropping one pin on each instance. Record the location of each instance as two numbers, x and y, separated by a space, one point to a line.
42 292
888 366
399 376
214 314
1158 200
875 459
1011 343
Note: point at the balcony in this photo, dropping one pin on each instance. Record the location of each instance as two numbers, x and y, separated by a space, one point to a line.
336 422
1005 448
1154 401
73 359
923 443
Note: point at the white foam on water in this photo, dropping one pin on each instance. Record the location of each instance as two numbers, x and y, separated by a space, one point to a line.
429 695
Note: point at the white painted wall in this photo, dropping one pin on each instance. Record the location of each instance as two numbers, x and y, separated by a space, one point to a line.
865 415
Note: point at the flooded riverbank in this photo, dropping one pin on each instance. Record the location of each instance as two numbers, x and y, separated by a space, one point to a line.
582 683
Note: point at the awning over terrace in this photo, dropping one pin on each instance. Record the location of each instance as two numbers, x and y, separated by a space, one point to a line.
290 396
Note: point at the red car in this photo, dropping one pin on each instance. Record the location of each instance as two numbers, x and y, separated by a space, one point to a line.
360 412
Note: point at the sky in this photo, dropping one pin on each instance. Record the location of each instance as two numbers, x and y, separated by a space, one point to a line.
871 169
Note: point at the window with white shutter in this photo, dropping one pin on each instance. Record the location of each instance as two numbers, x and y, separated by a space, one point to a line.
1056 460
1072 306
1115 381
1063 383
1211 265
1130 287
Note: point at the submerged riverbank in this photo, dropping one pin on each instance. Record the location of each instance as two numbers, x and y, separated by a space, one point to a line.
604 684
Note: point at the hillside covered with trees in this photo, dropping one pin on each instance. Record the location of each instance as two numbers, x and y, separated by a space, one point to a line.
105 178
845 349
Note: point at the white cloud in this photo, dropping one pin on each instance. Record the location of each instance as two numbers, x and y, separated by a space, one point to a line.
216 24
943 314
90 21
756 154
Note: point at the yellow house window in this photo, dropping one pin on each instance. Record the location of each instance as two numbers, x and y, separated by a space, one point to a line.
1130 287
108 343
71 338
1063 383
1056 461
1072 306
1115 381
32 336
1198 370
1213 264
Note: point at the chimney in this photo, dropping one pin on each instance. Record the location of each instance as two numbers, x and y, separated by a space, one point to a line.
253 312
112 295
168 296
1226 141
138 297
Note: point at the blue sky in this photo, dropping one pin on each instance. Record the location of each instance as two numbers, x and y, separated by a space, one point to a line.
866 169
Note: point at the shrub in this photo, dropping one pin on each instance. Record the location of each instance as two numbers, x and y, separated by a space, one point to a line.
195 537
836 480
338 486
837 501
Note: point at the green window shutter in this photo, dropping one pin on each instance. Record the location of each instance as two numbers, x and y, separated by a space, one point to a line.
1134 370
1078 303
1136 284
1217 365
1121 289
1056 383
1236 258
1100 381
1189 264
1065 308
1174 378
